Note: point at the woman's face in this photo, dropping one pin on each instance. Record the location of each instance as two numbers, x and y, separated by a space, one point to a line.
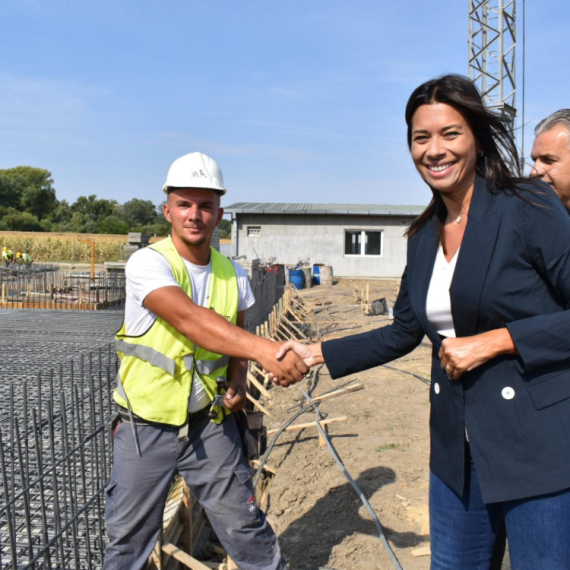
444 149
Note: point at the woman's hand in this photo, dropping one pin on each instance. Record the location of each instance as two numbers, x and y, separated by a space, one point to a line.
311 354
460 355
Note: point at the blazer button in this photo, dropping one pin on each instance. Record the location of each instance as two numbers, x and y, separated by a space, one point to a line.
436 388
508 393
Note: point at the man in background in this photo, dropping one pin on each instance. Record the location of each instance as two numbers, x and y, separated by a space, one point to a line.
551 153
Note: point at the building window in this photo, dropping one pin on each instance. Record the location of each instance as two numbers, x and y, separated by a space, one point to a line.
253 231
362 242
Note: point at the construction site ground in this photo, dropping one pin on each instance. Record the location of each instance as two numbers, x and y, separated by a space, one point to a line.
384 445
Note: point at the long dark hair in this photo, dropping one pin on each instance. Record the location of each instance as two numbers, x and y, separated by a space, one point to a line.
498 160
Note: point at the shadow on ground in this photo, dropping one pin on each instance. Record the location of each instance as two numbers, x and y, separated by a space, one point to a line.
308 541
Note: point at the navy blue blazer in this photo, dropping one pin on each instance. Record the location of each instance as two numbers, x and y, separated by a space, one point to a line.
513 270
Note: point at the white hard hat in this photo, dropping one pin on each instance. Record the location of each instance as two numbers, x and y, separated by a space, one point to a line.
195 170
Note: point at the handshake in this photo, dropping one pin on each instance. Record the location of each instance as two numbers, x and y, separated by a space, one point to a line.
291 361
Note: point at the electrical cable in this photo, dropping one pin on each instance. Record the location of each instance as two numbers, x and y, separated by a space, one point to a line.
270 447
424 380
361 496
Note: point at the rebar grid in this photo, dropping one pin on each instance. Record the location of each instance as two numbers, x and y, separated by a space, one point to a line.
55 459
43 288
56 435
268 287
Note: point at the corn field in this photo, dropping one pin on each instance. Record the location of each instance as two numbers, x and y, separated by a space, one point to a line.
59 247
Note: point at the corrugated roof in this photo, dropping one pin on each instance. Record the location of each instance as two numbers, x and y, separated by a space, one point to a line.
329 209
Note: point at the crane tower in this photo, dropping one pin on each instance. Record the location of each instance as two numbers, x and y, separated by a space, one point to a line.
492 42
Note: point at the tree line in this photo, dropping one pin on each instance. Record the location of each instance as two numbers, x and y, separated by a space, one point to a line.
28 202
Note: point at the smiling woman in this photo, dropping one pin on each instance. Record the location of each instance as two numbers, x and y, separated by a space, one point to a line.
444 151
488 281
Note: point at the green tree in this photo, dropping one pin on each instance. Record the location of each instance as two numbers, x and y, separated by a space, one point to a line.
112 225
93 209
10 191
137 213
32 187
62 213
16 221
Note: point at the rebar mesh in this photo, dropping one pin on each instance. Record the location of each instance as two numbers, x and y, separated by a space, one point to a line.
44 287
55 449
56 382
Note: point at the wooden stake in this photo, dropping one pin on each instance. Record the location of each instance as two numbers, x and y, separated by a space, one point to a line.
258 370
322 440
257 404
258 385
186 559
301 335
340 392
309 425
256 463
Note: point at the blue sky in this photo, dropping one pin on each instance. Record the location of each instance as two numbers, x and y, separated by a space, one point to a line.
298 100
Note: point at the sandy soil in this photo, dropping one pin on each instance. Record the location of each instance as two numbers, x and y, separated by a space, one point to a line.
383 444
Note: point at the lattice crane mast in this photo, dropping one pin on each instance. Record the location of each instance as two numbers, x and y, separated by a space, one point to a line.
492 43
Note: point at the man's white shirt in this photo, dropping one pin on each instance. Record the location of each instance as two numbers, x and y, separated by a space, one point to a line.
146 271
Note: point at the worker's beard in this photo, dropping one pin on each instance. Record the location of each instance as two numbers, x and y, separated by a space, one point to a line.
195 243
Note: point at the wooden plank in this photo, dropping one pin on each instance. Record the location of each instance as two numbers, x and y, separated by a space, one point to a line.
258 385
337 393
264 500
198 525
299 332
257 404
278 334
284 332
309 425
421 551
186 559
256 463
187 523
322 440
258 370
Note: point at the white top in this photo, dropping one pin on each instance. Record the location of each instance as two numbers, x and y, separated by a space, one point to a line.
148 270
438 302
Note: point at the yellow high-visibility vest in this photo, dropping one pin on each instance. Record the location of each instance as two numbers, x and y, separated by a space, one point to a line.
158 367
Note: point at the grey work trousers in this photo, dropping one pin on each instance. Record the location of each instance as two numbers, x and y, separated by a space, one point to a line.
214 468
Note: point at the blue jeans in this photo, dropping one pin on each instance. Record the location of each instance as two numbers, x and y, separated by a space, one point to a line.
464 530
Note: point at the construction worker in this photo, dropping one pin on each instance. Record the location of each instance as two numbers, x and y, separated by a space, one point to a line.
27 259
178 346
7 256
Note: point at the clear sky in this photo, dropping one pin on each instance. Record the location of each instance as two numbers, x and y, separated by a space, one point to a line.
298 100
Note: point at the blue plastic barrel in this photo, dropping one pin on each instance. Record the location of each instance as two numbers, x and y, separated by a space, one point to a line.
316 275
297 278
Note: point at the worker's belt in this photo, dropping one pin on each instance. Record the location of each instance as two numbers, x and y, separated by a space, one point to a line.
193 418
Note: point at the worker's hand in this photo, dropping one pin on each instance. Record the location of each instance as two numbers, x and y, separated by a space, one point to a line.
284 371
236 397
460 355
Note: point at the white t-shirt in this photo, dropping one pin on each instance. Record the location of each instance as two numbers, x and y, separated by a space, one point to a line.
438 301
146 271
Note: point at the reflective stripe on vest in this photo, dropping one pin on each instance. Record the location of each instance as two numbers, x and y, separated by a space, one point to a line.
208 366
147 353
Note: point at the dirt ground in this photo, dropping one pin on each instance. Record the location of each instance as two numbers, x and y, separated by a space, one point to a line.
383 444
